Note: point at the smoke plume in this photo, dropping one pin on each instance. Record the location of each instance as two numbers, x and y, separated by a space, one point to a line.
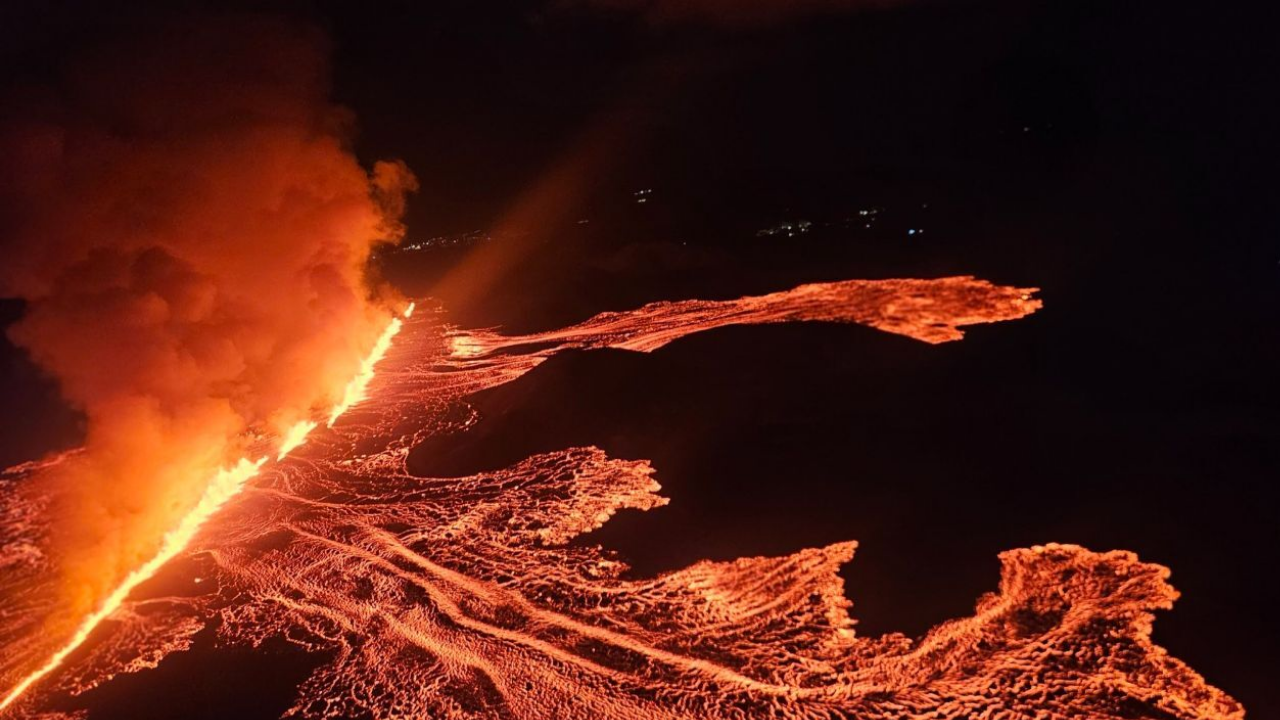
190 231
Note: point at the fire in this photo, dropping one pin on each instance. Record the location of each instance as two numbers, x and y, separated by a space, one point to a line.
225 485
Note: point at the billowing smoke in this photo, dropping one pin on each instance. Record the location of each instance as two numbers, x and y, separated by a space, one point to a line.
191 233
732 14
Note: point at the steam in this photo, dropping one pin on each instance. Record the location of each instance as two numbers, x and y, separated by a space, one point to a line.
191 233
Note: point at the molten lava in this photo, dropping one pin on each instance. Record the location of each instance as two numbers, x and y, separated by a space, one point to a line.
462 597
357 389
294 437
225 485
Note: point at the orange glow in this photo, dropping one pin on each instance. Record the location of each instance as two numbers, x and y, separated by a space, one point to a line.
357 389
295 436
225 485
432 597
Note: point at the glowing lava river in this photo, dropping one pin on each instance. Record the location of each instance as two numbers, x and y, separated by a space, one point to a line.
463 597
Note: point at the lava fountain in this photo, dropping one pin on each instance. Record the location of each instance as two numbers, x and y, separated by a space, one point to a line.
463 597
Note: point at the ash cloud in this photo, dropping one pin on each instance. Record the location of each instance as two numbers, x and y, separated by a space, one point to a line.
190 229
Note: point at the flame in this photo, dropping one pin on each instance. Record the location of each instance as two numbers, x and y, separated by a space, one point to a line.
225 485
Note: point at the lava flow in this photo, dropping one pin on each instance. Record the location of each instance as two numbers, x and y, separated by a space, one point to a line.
225 485
463 597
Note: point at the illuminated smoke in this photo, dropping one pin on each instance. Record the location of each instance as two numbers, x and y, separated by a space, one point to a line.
191 232
464 598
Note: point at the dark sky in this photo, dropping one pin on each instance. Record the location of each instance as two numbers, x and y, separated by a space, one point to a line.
1119 155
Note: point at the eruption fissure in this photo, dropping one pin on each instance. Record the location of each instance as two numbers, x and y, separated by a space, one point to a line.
191 234
357 390
463 598
226 484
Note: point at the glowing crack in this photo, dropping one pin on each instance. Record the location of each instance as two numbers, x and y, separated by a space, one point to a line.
228 483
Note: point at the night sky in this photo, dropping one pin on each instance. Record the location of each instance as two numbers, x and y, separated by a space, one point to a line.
1118 155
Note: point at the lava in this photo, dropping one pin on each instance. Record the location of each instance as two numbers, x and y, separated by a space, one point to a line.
464 598
357 389
225 485
294 437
